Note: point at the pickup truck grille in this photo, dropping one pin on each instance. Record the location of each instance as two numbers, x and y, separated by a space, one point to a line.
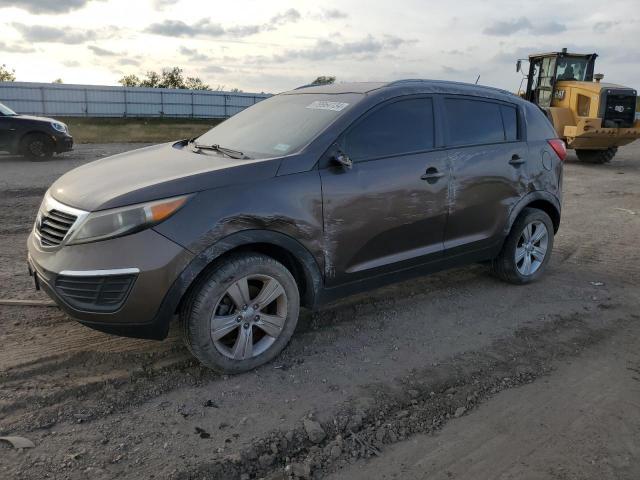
619 110
53 226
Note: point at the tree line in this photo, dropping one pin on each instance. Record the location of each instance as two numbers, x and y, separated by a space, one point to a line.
168 78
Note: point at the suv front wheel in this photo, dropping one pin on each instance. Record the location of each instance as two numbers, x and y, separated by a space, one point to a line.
527 249
242 314
37 147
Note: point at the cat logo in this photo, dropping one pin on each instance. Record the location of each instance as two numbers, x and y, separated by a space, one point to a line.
559 94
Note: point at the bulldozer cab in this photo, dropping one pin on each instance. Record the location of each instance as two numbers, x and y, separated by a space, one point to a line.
546 69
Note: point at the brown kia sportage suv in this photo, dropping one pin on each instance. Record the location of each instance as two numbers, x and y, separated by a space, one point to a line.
307 196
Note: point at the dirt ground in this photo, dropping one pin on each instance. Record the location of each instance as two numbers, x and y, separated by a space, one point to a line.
456 375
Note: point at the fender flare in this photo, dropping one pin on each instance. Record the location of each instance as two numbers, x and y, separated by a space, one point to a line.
310 268
527 200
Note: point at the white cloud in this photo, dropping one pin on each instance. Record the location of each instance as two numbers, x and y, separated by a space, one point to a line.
504 28
207 28
46 34
45 6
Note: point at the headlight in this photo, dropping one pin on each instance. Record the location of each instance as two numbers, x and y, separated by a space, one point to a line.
61 127
122 221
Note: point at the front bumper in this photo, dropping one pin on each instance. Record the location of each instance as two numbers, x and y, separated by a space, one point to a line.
64 143
133 274
589 134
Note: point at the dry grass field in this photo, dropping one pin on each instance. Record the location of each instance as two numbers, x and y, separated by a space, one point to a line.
134 130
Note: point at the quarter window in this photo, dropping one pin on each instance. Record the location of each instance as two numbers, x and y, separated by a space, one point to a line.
510 122
473 122
397 128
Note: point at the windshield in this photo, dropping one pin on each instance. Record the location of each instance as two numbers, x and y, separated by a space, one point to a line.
4 110
572 68
279 125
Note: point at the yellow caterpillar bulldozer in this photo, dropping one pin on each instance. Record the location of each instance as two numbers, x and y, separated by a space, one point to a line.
593 117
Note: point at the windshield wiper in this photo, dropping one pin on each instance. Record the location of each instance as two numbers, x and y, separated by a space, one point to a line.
225 151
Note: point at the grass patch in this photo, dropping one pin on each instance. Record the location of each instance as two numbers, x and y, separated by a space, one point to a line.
125 130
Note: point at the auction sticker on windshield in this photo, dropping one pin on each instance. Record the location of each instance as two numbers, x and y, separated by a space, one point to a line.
325 105
282 147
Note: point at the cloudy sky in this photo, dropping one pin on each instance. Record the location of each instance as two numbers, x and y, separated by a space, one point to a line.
276 45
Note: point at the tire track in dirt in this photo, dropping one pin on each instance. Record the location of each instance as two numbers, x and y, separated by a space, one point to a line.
31 398
421 402
67 337
592 254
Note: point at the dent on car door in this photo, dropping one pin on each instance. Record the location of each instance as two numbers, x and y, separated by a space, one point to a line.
489 170
389 210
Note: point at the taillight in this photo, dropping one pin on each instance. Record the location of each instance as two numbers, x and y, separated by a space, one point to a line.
559 147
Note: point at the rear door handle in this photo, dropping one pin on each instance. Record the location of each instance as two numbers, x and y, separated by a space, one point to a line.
432 175
516 160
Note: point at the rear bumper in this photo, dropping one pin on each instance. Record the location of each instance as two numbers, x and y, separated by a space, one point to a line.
589 134
145 264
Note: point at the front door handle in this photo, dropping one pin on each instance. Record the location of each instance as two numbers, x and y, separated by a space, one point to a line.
432 175
516 160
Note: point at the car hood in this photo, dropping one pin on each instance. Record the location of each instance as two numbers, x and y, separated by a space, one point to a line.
31 118
155 172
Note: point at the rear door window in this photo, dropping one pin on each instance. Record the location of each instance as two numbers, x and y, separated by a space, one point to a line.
473 122
396 128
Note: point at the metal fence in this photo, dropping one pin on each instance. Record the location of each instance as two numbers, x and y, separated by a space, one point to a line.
104 101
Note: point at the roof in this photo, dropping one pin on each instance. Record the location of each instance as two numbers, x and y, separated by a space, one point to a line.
564 54
342 87
424 85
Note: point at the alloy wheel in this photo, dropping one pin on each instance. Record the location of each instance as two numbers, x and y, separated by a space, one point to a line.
531 248
249 317
36 148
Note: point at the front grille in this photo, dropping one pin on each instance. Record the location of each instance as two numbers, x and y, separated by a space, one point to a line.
53 226
92 293
619 110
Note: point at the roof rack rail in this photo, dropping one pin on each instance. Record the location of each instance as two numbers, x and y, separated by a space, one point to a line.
424 80
407 80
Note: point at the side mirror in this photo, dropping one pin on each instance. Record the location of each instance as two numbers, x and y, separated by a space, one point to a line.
343 160
518 65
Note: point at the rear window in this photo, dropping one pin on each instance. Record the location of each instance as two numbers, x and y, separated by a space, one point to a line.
394 129
476 122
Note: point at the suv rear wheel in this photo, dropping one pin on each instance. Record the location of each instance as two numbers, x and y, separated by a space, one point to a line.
527 249
242 314
37 146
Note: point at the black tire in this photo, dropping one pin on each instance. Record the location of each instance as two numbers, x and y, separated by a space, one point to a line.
210 295
37 147
505 266
597 156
